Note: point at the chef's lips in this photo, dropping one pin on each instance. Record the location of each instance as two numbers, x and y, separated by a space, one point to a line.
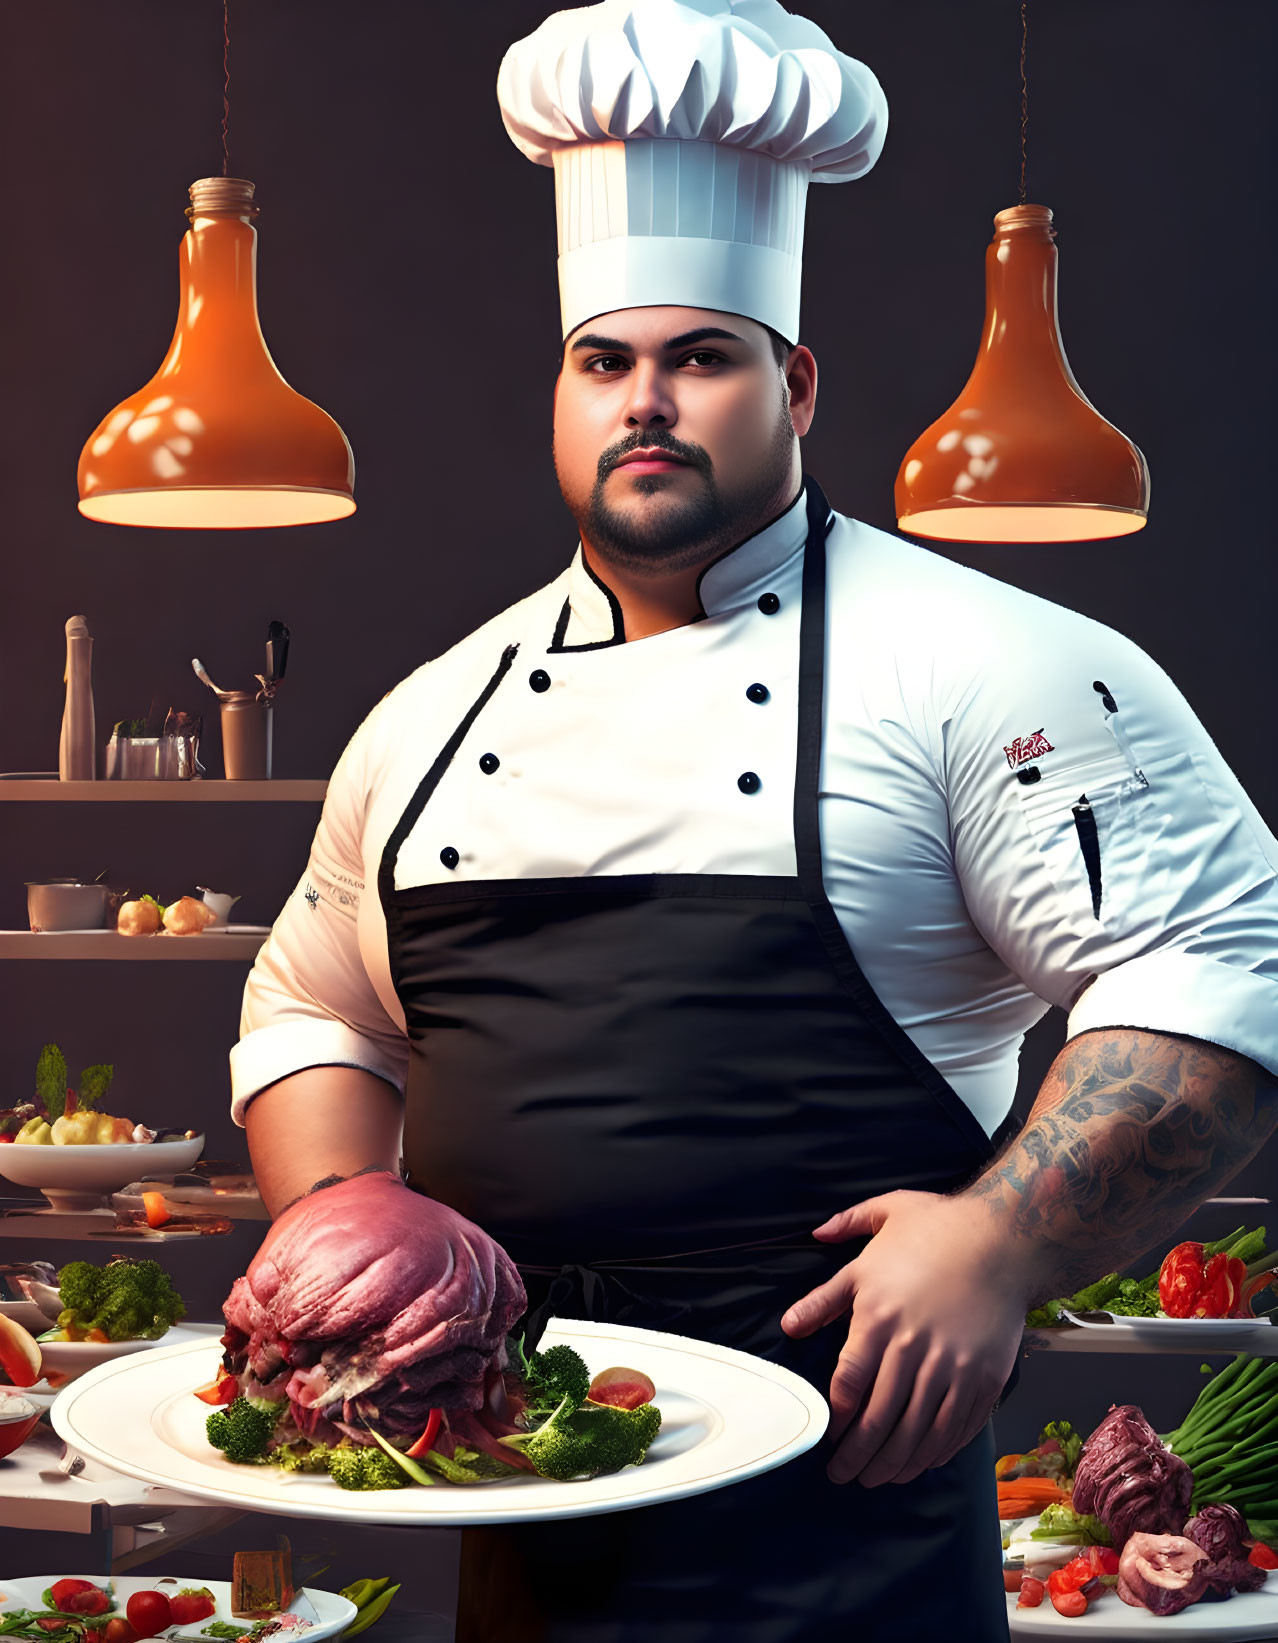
693 455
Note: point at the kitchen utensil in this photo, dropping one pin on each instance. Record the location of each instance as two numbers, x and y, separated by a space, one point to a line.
69 904
221 905
200 673
277 637
152 758
246 735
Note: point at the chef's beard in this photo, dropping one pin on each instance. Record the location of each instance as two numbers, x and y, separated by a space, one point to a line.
688 530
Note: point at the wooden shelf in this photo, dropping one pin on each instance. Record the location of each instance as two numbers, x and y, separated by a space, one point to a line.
35 1218
203 790
236 945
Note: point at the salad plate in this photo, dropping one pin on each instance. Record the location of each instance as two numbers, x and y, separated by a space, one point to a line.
1244 1617
725 1416
328 1613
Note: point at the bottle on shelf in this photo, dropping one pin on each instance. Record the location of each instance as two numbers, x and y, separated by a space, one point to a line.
77 749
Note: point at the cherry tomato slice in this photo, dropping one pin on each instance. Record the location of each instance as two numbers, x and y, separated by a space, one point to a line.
1264 1557
1069 1603
1032 1590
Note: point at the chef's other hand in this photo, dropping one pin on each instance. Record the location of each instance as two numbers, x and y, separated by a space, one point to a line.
936 1324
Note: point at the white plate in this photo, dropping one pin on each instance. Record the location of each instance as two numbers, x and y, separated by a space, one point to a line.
1243 1617
726 1416
80 1176
334 1613
26 1313
1218 1333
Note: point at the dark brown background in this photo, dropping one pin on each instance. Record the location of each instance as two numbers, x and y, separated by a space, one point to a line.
407 283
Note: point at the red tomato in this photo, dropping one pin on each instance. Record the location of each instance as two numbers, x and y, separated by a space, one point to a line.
6 1138
1077 1572
149 1613
1180 1279
118 1630
622 1388
79 1597
1264 1557
1031 1593
192 1603
1223 1278
1069 1603
1103 1560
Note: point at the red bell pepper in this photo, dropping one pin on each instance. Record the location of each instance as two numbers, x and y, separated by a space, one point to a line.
426 1442
225 1389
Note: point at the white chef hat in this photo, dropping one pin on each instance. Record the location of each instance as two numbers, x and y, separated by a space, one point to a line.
684 134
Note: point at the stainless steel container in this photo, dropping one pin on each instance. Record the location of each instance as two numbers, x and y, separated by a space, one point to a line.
66 904
152 759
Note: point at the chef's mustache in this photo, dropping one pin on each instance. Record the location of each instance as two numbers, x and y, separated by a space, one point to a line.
694 455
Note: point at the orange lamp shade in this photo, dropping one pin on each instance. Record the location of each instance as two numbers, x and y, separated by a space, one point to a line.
217 439
1022 455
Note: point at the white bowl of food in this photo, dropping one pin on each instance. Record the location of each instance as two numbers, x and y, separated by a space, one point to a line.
81 1177
63 1361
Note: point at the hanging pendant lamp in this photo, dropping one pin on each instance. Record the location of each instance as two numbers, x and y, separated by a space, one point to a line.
217 440
1022 455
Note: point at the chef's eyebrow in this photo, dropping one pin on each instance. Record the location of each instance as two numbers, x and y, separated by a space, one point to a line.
614 345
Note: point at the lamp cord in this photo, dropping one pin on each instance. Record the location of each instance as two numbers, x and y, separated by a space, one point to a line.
226 69
1024 96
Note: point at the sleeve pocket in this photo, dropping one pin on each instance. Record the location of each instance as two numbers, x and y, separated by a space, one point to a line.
1143 857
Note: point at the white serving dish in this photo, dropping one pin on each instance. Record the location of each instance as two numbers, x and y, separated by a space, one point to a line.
81 1177
26 1313
329 1613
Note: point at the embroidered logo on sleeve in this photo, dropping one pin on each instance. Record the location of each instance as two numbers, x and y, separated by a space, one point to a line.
1027 747
323 885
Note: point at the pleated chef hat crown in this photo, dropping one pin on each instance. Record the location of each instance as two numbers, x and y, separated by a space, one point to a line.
684 134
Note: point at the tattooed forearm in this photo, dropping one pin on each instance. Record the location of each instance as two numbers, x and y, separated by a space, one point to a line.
1131 1131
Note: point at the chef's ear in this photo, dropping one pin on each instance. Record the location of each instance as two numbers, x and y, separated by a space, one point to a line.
801 384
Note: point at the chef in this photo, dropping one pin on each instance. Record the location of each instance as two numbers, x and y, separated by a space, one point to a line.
681 926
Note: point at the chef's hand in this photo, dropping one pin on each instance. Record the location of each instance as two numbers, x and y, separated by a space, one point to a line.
937 1314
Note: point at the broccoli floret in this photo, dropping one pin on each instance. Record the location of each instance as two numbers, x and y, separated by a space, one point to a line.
550 1376
243 1429
356 1467
586 1441
126 1300
301 1457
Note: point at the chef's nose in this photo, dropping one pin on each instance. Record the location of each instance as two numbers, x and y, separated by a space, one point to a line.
649 403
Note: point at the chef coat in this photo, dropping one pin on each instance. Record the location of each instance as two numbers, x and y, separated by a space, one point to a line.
1018 808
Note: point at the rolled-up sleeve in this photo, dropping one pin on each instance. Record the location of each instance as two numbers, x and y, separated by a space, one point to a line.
1105 848
309 1001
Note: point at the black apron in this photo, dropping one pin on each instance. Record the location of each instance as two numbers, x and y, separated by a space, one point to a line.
649 1089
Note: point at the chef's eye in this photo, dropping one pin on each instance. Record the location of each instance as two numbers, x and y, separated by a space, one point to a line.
609 362
704 356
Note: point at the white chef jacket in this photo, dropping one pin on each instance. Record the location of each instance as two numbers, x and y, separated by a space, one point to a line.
959 879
